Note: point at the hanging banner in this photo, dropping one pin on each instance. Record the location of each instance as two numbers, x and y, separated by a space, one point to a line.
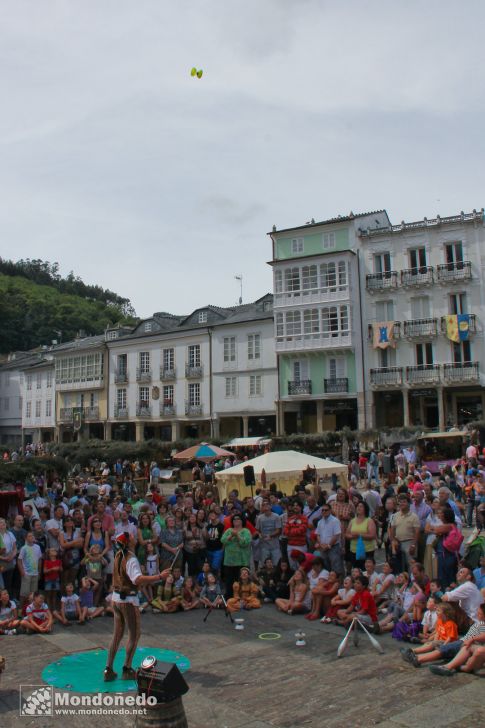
458 327
383 335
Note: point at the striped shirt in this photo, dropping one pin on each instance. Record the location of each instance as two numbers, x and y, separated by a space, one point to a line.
476 629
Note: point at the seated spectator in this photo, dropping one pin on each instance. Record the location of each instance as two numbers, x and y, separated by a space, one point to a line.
384 589
471 656
38 617
466 593
428 622
267 580
283 575
362 605
341 600
70 608
169 597
190 597
246 593
87 592
211 594
401 604
445 634
9 619
299 601
322 595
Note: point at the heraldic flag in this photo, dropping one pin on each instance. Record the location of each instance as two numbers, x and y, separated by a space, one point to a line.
458 326
383 335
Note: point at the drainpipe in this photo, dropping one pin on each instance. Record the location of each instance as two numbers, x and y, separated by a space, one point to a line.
211 414
364 383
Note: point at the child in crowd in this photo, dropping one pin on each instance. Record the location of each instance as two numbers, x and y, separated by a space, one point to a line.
245 593
300 595
384 589
70 608
430 617
266 578
401 604
52 568
151 568
446 631
362 605
87 592
30 557
211 594
168 597
282 579
38 617
190 598
435 589
94 563
371 573
202 577
9 619
341 600
178 579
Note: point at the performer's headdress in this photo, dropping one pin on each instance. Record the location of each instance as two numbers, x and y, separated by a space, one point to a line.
123 540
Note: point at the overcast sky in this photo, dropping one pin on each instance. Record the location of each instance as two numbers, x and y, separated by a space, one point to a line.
119 165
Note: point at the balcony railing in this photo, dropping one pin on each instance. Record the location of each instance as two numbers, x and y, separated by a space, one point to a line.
143 375
467 371
472 324
167 409
143 410
121 412
335 386
193 372
167 374
421 276
449 272
91 413
396 331
121 377
66 414
304 386
193 410
423 374
421 327
303 342
386 377
381 281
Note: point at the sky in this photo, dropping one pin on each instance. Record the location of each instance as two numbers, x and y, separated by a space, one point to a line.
119 165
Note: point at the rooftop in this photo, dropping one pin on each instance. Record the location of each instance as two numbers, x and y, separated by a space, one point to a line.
330 221
463 217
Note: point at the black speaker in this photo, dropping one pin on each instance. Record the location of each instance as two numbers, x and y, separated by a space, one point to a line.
249 475
163 680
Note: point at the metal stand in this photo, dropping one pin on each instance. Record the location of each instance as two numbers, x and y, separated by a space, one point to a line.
226 610
353 629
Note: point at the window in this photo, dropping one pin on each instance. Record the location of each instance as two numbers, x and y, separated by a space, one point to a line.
144 362
342 275
92 400
254 346
417 260
309 278
458 303
454 254
82 368
28 410
121 398
37 407
330 321
194 355
292 280
293 323
344 318
328 276
382 263
297 245
168 358
278 281
49 380
48 408
39 380
229 349
255 385
424 354
311 322
231 386
336 367
111 335
387 357
202 317
6 404
420 308
328 241
194 395
148 326
462 352
144 396
168 394
122 364
300 370
29 382
279 325
384 310
267 305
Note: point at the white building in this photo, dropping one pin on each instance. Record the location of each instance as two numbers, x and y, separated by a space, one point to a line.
11 399
39 401
415 276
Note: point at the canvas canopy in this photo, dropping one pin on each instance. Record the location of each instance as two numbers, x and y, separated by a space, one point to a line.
283 467
247 442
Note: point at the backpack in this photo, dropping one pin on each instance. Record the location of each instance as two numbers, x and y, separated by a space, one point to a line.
453 540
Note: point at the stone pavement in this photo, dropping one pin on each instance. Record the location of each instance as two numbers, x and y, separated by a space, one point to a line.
237 680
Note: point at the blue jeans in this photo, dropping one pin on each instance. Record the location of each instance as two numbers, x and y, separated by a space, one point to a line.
215 559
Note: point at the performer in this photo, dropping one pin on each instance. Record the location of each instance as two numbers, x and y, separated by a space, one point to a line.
127 578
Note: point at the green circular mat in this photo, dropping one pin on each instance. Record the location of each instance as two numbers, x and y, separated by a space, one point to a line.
82 672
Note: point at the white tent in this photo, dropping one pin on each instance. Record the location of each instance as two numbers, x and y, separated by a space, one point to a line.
283 467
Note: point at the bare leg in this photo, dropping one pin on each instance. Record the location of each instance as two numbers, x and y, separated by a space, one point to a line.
118 630
132 618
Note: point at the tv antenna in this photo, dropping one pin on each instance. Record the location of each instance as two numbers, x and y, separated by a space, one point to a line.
240 279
